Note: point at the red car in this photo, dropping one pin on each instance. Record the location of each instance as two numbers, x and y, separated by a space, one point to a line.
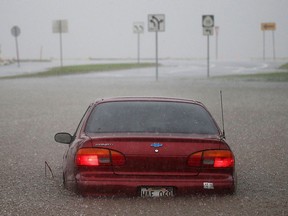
149 147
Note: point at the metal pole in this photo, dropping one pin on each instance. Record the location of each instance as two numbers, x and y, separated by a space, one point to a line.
17 51
216 32
156 55
217 45
208 56
216 55
138 52
41 52
273 37
264 46
61 51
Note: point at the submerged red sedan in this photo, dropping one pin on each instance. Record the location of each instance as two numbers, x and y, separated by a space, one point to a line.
149 147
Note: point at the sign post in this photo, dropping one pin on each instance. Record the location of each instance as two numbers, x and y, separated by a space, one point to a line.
156 23
138 28
15 31
208 29
216 34
60 26
268 27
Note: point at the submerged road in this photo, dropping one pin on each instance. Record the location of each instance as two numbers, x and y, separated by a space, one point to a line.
33 110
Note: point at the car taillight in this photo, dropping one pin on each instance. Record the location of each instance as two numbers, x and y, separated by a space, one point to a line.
212 158
99 157
195 160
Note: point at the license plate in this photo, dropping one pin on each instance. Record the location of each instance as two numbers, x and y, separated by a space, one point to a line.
157 192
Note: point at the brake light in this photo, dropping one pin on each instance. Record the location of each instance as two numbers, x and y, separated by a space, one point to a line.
220 158
212 158
99 157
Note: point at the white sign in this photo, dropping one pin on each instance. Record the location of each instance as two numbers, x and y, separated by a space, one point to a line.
156 23
60 26
208 21
138 27
208 31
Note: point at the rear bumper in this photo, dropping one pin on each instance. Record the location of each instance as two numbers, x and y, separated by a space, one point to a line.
130 185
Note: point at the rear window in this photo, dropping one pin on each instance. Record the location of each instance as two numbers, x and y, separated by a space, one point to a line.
152 117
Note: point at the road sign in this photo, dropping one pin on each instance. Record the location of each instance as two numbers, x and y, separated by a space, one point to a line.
138 27
208 31
60 26
268 26
15 31
156 23
208 21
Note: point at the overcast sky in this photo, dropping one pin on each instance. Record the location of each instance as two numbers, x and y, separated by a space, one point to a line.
103 28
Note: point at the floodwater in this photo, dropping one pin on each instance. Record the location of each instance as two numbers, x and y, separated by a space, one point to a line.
33 110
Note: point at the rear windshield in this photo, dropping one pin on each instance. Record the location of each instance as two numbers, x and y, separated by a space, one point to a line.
152 117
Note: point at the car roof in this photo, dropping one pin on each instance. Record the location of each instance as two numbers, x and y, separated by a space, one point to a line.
147 98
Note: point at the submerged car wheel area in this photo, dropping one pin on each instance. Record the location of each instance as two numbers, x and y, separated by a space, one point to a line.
149 147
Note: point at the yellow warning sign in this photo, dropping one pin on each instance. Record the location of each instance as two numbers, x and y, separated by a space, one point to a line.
268 26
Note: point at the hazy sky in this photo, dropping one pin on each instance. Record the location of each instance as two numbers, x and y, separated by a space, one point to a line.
103 28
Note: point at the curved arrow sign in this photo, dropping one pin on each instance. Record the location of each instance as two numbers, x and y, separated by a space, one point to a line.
156 23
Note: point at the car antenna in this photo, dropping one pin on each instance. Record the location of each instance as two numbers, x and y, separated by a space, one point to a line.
223 133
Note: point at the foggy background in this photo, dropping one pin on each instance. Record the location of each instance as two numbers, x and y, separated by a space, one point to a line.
103 28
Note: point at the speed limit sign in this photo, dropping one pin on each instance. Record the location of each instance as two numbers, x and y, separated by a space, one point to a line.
208 21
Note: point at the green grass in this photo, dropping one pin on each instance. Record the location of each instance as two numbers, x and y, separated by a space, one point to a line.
273 76
92 68
81 69
285 66
269 77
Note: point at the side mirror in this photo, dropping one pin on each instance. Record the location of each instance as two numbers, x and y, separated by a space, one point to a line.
63 137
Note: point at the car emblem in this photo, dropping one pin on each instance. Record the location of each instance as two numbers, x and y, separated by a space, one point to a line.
156 145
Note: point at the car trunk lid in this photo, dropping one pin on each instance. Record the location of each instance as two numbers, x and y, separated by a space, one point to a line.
153 156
